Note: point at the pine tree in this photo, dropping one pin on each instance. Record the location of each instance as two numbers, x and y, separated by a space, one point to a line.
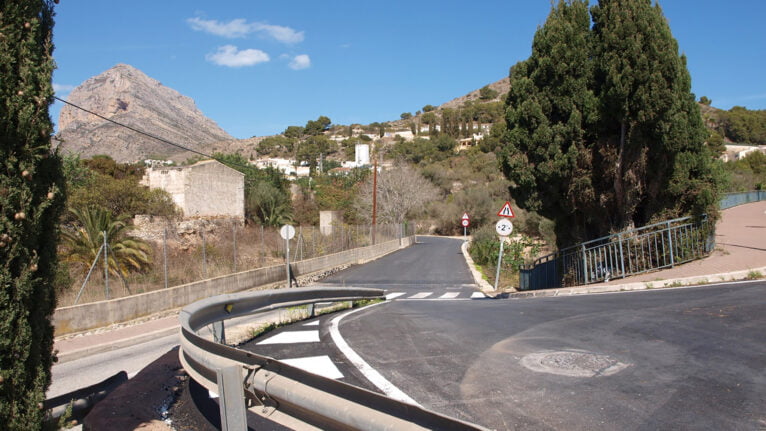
31 198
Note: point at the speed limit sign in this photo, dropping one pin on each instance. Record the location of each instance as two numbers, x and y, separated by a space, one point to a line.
504 227
465 222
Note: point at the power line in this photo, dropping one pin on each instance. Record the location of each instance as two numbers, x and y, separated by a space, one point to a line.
164 141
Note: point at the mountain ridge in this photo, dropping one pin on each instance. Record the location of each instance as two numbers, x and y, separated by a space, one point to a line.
126 95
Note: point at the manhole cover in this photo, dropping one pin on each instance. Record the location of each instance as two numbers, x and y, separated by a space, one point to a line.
575 363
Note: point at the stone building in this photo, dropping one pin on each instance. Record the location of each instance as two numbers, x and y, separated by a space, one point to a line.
205 189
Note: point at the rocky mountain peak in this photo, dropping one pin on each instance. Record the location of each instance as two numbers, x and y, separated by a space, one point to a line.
127 95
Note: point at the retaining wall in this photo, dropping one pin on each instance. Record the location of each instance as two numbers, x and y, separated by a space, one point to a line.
82 317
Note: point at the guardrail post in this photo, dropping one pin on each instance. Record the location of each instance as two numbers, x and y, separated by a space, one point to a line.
231 398
219 332
670 242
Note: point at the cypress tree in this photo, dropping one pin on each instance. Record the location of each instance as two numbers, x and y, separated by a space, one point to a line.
603 130
551 110
31 199
652 159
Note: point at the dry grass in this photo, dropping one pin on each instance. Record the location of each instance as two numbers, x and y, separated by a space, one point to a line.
186 261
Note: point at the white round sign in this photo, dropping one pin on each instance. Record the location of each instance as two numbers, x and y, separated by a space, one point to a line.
287 232
465 222
504 227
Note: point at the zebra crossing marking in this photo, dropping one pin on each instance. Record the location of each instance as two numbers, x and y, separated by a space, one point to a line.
443 296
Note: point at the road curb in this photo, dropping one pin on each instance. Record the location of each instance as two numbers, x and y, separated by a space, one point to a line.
697 280
484 286
64 357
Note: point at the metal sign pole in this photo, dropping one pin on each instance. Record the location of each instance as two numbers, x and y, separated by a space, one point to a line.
499 260
287 259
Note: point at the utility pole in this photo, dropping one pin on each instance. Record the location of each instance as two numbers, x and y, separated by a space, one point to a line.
374 197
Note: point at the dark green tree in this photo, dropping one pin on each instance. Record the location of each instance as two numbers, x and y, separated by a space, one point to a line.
486 93
318 126
551 114
603 130
651 158
294 132
31 199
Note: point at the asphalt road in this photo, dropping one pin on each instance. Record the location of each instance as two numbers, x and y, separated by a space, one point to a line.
692 358
662 359
431 263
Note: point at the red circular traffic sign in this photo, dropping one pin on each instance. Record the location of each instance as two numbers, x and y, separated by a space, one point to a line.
465 222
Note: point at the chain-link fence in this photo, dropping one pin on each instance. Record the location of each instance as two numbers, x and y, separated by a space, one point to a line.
222 248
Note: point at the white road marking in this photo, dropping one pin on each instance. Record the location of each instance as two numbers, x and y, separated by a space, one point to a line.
450 295
394 295
370 373
320 365
476 295
292 337
314 323
421 295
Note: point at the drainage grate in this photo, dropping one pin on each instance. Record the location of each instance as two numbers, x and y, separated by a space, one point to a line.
573 363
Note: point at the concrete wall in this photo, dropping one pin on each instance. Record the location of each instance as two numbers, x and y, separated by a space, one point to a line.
205 189
82 317
213 189
169 179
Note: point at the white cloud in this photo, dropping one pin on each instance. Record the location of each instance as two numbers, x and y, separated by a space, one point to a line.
232 29
300 62
240 28
230 56
280 33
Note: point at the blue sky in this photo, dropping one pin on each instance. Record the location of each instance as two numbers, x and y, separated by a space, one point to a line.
256 67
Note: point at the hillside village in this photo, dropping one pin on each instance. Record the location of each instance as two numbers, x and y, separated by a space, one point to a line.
471 122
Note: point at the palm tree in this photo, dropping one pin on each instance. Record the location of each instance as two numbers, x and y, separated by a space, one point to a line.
269 204
84 243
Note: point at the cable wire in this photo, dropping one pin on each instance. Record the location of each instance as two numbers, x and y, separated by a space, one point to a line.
164 141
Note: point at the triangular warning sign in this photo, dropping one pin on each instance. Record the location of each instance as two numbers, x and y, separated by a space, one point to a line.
506 211
465 216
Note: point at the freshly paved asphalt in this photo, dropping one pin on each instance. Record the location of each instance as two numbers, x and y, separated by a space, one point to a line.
432 262
695 358
692 358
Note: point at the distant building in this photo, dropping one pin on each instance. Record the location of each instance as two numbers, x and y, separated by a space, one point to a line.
361 154
205 189
737 152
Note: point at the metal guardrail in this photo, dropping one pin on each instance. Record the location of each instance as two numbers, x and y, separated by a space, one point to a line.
245 379
652 247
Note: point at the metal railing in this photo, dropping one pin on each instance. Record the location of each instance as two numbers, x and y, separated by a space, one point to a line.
649 248
733 199
244 379
653 247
